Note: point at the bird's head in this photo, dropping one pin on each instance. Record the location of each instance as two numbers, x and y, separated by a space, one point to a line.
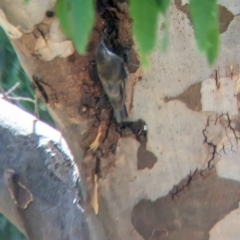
102 54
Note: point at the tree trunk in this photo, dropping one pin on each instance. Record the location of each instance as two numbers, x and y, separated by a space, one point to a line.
182 180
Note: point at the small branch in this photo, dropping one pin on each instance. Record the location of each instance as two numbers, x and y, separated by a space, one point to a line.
36 110
12 89
18 98
3 95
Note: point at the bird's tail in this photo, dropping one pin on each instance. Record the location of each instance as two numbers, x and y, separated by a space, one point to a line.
121 115
124 113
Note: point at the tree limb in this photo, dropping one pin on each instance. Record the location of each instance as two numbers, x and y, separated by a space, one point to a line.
39 182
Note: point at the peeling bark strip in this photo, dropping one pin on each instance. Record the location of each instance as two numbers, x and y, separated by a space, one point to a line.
187 217
100 157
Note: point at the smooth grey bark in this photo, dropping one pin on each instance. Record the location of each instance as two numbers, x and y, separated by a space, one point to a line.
44 203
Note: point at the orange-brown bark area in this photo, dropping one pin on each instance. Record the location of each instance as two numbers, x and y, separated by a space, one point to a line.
71 89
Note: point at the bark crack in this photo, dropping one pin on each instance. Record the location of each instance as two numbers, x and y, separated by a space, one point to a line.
216 77
38 82
178 189
225 123
210 144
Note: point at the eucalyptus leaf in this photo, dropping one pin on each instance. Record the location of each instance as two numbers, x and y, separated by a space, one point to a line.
144 26
83 20
204 15
63 13
163 5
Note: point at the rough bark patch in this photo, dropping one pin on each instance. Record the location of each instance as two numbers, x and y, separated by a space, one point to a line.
189 212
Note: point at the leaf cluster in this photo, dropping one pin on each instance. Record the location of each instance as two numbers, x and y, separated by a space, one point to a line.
77 18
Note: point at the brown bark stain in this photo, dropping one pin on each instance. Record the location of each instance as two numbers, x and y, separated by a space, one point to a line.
191 97
190 210
225 16
145 158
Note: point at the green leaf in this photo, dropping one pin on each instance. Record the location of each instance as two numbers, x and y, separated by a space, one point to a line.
165 38
204 16
213 46
64 15
145 15
76 18
83 20
163 5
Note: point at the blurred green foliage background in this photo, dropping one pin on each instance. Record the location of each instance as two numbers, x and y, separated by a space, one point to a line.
8 231
12 73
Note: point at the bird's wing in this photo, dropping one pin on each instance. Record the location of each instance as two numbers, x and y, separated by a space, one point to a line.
123 92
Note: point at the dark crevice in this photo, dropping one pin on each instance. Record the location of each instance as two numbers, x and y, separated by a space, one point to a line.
41 89
50 14
97 167
94 101
103 132
216 77
204 173
209 166
232 129
178 189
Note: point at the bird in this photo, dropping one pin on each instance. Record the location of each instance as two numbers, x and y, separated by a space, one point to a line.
113 75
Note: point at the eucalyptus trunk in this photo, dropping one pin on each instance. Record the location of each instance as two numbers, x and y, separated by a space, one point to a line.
173 170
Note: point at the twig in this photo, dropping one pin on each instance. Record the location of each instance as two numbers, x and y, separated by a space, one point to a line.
4 96
18 98
13 88
36 110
